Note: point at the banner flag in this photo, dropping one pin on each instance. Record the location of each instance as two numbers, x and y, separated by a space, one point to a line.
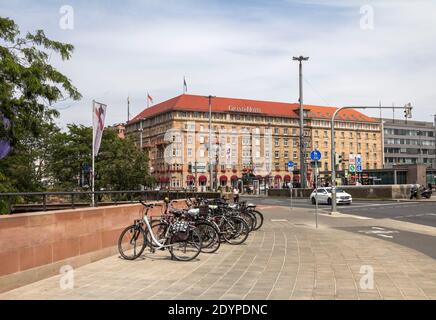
98 116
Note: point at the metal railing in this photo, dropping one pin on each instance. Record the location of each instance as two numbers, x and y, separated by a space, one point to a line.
21 202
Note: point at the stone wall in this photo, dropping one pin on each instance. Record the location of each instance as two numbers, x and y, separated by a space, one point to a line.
35 246
357 192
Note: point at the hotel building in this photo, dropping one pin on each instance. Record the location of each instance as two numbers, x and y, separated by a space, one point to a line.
252 141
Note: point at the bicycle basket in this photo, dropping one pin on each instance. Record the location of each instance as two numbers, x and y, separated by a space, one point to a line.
180 231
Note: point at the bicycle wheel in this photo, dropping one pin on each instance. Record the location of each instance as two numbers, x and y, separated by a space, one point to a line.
249 218
210 236
132 242
259 219
235 230
186 250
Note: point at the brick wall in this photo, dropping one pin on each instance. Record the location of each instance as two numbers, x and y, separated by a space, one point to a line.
34 245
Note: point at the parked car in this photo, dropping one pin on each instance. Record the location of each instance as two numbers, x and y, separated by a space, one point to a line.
324 195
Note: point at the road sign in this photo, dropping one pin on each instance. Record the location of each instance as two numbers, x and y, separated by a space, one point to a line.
352 159
315 155
352 168
359 168
291 164
358 159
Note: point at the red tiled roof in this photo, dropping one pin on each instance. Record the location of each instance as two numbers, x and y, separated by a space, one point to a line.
188 102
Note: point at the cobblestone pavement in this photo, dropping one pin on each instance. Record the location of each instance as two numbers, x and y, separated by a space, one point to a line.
287 259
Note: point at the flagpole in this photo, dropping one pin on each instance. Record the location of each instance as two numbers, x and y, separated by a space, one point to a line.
128 108
93 161
148 101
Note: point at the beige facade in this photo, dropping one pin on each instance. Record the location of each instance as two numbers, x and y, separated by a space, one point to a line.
254 143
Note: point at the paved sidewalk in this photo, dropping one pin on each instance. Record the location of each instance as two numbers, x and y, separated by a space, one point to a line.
287 259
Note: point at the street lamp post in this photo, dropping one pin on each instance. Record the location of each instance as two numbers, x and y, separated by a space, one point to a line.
407 107
302 144
141 130
434 135
210 143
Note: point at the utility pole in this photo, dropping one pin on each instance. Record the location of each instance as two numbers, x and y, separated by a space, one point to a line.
210 143
302 144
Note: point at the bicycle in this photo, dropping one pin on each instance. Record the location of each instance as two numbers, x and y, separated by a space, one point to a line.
182 240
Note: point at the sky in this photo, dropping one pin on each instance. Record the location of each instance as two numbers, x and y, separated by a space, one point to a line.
360 52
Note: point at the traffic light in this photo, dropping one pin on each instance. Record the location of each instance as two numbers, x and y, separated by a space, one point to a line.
408 111
338 159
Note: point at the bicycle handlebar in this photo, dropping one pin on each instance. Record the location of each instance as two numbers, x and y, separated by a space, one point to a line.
151 205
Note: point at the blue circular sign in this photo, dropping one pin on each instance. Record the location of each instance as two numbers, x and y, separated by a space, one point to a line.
291 164
315 155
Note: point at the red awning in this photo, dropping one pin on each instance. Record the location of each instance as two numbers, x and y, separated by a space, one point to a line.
164 179
287 178
234 178
202 179
223 178
277 177
190 178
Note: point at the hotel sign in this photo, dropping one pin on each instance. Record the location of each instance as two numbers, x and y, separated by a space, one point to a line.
246 109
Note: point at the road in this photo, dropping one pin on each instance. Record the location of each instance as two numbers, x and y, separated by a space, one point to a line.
377 220
423 213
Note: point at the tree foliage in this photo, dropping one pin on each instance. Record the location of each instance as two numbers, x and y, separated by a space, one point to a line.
120 165
29 86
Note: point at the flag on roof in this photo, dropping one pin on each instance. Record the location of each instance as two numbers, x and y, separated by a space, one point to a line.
185 86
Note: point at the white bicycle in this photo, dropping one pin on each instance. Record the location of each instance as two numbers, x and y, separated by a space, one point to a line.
181 238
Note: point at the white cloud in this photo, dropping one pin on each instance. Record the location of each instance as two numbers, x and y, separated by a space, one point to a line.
244 51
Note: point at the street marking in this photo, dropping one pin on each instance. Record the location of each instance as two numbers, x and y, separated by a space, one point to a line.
380 232
345 215
395 205
415 215
267 207
279 220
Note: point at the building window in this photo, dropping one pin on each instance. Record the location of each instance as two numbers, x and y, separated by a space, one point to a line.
286 154
276 154
285 131
276 142
285 142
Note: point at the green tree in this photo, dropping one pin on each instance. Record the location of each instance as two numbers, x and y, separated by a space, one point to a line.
29 86
69 153
120 165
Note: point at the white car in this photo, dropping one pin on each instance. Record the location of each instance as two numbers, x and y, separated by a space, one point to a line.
325 196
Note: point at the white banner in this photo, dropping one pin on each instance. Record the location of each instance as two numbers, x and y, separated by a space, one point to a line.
98 116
